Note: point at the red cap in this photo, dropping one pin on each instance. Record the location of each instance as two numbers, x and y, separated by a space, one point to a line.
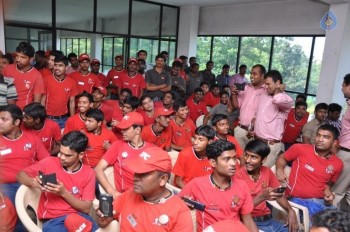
160 111
130 119
95 61
151 159
119 56
221 226
83 57
133 60
74 222
178 59
102 89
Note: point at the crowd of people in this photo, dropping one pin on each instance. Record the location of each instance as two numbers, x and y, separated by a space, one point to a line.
59 114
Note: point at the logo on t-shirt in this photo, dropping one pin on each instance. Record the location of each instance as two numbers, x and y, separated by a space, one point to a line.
75 190
27 146
162 220
124 155
66 89
27 84
208 169
44 139
90 81
235 201
330 169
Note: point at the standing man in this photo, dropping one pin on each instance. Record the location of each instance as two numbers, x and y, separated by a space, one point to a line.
158 80
84 78
8 93
95 69
114 74
247 102
142 54
132 79
207 73
176 79
334 111
28 81
193 79
342 187
271 114
59 92
74 63
191 61
240 76
75 188
224 77
196 105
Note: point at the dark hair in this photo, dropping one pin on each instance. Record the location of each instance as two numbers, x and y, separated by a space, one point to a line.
160 56
214 86
242 66
333 107
224 86
26 49
183 57
75 140
198 90
126 90
223 93
96 114
331 129
35 110
61 58
141 61
87 95
171 93
204 83
209 62
275 75
178 104
15 111
56 53
133 101
225 66
206 131
300 103
321 106
347 79
217 118
301 96
177 64
143 51
333 219
216 148
261 67
194 64
164 53
259 147
192 58
71 55
9 57
144 97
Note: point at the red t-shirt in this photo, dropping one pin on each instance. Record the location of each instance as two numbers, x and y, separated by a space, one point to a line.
16 155
213 101
116 156
148 120
27 83
85 82
135 83
95 150
45 72
107 111
163 140
267 179
196 110
57 94
48 134
74 122
293 127
310 173
207 98
220 204
8 215
182 135
81 184
189 166
230 138
104 81
160 104
113 76
135 214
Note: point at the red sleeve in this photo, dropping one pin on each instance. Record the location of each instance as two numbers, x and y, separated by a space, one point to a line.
239 150
179 167
112 153
41 151
248 205
39 85
89 189
143 84
292 153
68 127
57 136
74 91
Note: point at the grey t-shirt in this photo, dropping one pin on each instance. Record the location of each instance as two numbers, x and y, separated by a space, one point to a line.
222 109
155 78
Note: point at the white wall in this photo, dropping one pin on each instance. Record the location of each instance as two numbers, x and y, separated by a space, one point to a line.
2 29
273 18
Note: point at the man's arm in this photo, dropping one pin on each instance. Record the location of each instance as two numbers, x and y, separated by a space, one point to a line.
166 89
328 194
102 178
281 163
38 97
71 106
179 181
249 223
234 97
23 178
176 147
56 148
152 87
292 218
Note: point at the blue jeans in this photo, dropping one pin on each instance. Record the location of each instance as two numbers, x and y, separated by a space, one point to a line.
314 205
57 224
61 122
271 226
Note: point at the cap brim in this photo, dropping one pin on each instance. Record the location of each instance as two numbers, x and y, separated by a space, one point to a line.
124 125
138 166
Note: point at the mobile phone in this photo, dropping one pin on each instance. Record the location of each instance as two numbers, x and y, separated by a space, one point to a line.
280 190
197 205
49 178
240 86
106 206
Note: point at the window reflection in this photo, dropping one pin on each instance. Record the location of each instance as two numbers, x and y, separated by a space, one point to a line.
145 19
112 16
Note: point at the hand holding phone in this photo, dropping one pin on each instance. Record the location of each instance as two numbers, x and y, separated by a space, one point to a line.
106 206
280 190
239 86
196 205
49 178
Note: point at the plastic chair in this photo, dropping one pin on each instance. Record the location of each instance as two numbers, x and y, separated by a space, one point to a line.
199 120
173 155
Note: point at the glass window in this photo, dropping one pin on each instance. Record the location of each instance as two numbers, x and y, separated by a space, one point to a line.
169 46
149 45
145 19
291 58
114 44
113 16
17 10
76 14
255 50
203 51
224 52
169 22
316 65
76 42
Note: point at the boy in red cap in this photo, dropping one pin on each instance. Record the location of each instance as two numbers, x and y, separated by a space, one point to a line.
120 151
99 94
132 79
84 78
150 206
158 132
95 69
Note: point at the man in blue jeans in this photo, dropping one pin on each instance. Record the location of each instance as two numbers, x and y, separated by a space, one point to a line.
74 189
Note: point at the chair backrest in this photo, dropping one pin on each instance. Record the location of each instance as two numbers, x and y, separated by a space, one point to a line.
109 172
199 120
26 197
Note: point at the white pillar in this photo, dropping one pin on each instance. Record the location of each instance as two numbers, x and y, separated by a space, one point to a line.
2 28
336 57
188 31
